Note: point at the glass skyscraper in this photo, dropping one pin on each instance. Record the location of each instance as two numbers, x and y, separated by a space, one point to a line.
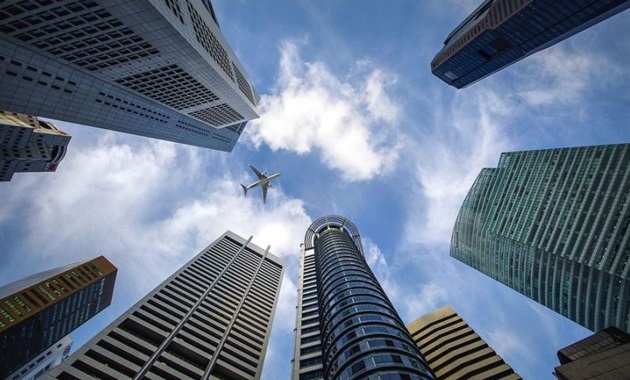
210 320
346 327
39 310
553 225
501 32
154 68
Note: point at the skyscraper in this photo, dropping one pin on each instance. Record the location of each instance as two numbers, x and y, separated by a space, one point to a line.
210 320
602 356
48 359
41 309
346 327
501 32
454 351
553 225
28 144
159 69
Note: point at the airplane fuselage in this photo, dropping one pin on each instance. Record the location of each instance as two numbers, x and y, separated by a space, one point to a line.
264 181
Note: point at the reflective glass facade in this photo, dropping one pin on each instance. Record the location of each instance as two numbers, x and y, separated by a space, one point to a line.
501 32
553 225
210 320
347 328
39 310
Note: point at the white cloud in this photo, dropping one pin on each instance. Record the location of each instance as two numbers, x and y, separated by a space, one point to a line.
464 138
350 123
134 204
558 75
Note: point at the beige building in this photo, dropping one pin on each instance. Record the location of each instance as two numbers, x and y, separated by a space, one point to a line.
454 351
28 144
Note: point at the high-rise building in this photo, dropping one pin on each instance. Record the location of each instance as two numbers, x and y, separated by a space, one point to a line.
39 310
601 356
155 68
454 351
210 320
28 144
43 362
346 327
553 225
501 32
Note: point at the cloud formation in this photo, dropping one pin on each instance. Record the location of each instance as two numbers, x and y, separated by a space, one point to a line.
348 121
132 203
464 138
557 75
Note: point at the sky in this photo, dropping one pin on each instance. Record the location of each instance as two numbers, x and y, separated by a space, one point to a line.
358 126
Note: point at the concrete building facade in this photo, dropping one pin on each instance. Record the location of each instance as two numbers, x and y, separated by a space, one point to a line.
601 356
346 327
553 225
39 310
155 68
28 144
210 320
454 351
501 32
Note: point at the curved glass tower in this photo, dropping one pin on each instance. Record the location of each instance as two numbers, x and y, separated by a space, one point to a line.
553 225
346 326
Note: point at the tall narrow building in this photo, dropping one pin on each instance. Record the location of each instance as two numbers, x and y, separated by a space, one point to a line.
346 327
210 320
454 351
28 144
553 225
154 68
501 32
41 309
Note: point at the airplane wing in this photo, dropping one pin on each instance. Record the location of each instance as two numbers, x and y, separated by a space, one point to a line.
258 173
264 189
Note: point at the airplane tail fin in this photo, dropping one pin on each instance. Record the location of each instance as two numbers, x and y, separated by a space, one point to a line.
244 189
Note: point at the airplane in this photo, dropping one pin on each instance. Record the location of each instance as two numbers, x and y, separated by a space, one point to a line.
263 182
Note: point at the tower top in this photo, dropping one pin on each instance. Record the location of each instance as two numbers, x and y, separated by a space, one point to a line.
332 222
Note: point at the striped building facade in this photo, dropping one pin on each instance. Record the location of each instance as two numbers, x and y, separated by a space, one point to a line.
210 320
554 225
454 351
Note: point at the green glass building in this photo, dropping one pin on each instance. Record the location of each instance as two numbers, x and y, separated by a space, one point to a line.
553 225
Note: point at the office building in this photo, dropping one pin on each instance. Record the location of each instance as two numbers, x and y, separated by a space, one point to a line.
210 320
28 144
346 327
601 356
39 310
154 68
501 32
48 359
454 351
553 225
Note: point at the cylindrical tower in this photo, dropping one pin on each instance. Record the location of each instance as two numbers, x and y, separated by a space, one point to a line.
362 336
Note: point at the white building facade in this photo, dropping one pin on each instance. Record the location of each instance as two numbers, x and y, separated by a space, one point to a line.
155 68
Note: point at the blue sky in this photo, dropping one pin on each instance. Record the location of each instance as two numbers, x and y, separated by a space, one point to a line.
358 126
